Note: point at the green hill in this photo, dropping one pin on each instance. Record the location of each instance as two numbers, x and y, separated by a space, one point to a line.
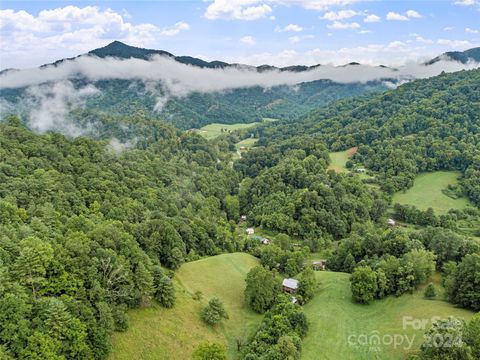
158 333
335 320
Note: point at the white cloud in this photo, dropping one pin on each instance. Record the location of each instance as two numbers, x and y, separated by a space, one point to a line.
289 28
259 9
175 29
52 103
237 9
393 16
338 25
249 40
294 39
448 28
471 31
456 44
466 2
67 31
371 18
363 32
413 14
422 40
339 15
180 79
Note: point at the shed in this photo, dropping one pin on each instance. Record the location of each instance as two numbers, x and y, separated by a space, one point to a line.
290 285
250 231
391 222
319 264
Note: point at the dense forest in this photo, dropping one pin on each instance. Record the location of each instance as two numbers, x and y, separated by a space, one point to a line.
84 230
242 105
90 228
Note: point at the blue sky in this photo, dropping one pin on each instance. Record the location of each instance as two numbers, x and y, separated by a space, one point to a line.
278 32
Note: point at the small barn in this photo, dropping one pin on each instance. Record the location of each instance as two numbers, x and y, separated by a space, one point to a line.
290 285
391 222
319 264
243 148
250 231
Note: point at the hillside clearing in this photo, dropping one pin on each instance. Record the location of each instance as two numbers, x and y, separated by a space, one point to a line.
158 333
340 158
333 318
223 276
248 143
211 131
426 192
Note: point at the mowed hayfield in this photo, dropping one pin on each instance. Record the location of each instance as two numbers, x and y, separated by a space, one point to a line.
340 158
211 131
427 192
158 333
224 276
335 319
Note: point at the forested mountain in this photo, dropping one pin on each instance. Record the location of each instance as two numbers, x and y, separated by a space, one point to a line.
84 230
460 56
424 125
243 105
193 109
120 50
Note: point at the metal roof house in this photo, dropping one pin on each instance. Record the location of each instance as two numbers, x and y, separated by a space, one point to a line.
290 285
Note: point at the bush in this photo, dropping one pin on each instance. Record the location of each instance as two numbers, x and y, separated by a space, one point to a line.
165 293
210 351
363 284
214 312
430 291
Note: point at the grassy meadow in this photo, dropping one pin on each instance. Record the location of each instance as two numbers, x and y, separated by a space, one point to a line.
158 333
339 159
248 143
211 131
333 317
427 192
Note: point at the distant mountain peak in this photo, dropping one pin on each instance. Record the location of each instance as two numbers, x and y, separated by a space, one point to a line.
460 56
120 50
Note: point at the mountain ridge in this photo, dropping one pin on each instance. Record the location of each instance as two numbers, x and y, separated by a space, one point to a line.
118 49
